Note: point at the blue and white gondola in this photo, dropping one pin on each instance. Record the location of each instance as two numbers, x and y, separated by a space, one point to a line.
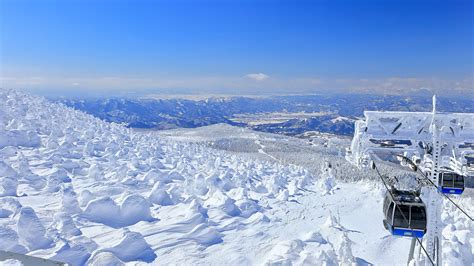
451 183
405 214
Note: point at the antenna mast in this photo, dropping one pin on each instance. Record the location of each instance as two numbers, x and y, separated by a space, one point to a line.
433 236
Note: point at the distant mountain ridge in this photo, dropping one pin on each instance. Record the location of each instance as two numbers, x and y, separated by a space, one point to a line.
176 113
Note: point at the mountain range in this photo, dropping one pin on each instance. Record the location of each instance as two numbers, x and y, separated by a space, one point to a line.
333 114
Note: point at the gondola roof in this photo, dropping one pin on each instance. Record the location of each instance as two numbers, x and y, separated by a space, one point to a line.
406 197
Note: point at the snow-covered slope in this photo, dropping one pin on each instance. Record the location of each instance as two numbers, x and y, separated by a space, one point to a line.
76 189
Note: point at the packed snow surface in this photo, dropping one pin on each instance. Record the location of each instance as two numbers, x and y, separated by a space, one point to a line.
79 190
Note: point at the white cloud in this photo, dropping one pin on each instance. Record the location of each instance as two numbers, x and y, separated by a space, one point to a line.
257 76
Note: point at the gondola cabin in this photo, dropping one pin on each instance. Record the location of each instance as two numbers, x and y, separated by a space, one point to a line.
451 183
405 213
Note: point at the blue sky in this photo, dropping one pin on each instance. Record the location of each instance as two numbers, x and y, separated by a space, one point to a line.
238 46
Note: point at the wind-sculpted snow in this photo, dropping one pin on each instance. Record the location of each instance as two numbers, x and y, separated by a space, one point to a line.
133 209
132 247
10 240
76 189
330 246
31 230
458 236
78 175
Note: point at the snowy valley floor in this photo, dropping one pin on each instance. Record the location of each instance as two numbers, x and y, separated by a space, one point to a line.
79 190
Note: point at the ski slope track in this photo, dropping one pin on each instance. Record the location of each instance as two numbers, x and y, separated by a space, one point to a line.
79 190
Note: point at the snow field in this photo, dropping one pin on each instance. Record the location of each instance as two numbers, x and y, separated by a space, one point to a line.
73 173
76 189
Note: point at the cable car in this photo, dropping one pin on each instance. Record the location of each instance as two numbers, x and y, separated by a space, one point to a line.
451 183
405 213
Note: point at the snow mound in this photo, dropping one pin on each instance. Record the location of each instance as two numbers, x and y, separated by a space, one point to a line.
314 237
20 138
66 225
133 209
105 258
457 237
327 182
10 240
9 207
329 246
8 180
74 253
159 195
132 247
31 231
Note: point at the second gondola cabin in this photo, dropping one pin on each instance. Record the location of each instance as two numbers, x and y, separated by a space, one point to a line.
405 213
451 183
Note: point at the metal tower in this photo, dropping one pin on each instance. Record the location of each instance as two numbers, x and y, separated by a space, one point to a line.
434 141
